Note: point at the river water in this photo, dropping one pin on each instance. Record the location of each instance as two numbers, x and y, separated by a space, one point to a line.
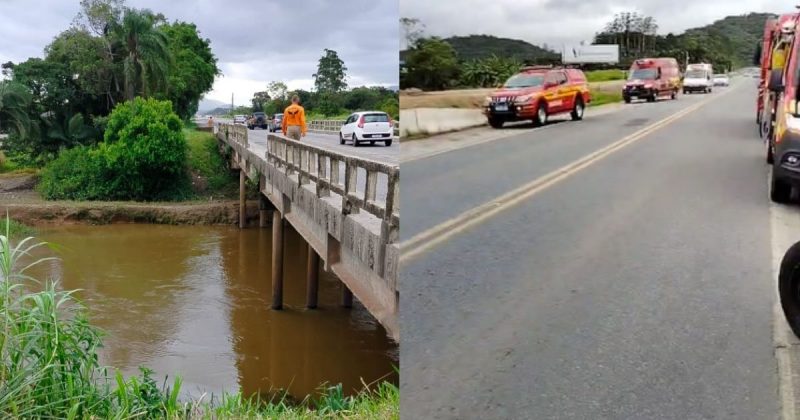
194 301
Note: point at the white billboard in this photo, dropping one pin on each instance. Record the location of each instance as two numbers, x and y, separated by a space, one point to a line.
579 54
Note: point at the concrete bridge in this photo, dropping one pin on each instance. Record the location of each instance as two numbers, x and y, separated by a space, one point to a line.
345 206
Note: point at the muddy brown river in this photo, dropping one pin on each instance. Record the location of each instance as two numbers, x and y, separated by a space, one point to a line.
194 301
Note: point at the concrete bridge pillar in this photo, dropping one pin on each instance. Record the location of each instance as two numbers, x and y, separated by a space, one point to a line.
277 259
263 207
242 197
312 279
347 296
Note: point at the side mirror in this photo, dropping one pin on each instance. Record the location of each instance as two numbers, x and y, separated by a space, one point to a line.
775 81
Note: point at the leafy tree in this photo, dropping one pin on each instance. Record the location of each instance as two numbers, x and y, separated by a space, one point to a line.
488 72
147 55
277 90
432 64
260 100
14 100
142 158
193 68
331 75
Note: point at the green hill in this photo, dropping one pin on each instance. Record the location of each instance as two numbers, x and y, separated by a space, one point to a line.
476 47
736 36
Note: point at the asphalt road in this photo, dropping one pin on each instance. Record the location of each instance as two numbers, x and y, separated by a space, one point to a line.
638 287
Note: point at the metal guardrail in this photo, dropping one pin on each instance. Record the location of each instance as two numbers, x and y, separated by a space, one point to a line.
313 163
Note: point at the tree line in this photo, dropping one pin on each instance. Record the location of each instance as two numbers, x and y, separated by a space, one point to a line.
432 63
330 97
110 54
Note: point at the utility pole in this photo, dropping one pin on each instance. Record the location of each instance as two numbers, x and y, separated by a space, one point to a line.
231 101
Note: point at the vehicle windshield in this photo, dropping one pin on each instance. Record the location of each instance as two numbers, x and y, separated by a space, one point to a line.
524 80
373 118
278 116
644 74
696 74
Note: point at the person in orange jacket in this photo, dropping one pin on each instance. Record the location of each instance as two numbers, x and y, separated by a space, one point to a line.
294 120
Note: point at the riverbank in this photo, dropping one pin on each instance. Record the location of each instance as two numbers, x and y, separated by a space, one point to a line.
19 197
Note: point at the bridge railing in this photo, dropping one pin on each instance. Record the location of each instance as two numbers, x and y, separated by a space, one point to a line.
324 167
235 132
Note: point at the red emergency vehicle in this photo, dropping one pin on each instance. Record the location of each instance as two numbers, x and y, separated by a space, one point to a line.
650 78
772 29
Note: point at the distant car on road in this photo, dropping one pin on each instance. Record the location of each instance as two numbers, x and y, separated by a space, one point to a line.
721 80
239 119
371 126
259 119
277 120
537 92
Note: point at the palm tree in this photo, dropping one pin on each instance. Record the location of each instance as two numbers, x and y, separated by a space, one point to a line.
14 101
147 57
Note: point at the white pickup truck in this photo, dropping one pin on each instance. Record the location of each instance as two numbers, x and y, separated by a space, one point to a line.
698 78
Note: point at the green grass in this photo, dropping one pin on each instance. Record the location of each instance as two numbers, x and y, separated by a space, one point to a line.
49 365
604 97
10 166
605 75
14 227
204 159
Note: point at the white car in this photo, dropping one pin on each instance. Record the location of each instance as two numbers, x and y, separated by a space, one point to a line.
371 126
239 119
721 80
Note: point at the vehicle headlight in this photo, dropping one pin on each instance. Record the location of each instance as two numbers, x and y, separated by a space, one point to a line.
524 99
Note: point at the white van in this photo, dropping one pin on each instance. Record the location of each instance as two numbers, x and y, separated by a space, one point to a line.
698 78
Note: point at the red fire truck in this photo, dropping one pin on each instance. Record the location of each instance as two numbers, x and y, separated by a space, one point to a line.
772 30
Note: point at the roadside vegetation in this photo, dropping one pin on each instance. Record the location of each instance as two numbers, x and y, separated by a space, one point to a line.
331 99
475 61
50 367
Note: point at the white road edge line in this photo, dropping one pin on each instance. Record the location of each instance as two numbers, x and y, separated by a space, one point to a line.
784 232
428 239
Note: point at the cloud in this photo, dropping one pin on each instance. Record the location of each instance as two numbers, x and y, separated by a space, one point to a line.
556 22
255 41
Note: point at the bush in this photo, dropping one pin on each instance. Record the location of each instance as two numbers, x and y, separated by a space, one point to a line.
142 158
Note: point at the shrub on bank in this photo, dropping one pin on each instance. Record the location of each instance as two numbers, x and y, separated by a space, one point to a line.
142 157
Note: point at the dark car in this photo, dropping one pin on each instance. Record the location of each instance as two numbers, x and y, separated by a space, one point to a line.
277 119
259 119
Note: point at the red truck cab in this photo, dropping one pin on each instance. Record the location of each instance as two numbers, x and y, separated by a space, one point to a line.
536 93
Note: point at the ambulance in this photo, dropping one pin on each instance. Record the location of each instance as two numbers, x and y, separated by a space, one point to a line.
651 78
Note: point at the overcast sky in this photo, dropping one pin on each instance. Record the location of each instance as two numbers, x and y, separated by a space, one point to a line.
255 41
557 22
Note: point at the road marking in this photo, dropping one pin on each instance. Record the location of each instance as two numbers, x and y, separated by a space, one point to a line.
785 231
424 241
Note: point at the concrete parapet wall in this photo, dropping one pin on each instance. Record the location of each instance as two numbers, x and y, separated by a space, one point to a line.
430 121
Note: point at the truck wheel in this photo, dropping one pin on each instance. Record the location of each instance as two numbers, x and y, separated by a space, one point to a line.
779 191
496 122
674 94
541 115
627 99
789 287
388 143
577 110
